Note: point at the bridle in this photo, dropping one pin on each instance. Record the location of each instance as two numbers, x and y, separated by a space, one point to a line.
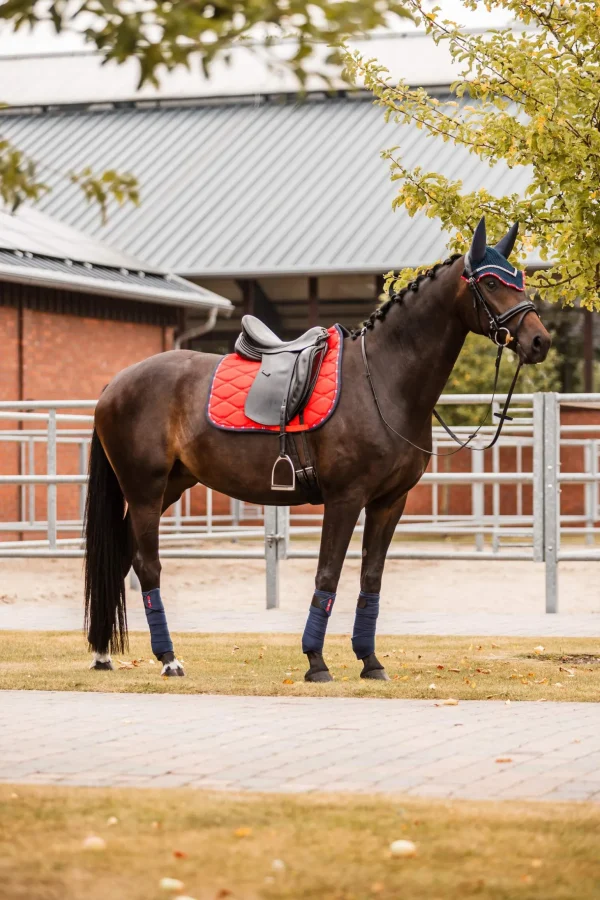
496 327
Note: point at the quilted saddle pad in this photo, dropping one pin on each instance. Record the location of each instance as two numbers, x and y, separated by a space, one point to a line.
234 375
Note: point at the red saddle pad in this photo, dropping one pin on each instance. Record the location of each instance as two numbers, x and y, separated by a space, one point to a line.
234 375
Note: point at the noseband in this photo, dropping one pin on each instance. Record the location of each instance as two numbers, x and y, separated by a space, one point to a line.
497 327
497 322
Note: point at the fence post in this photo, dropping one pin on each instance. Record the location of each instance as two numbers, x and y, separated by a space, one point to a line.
51 470
276 529
538 477
477 496
551 498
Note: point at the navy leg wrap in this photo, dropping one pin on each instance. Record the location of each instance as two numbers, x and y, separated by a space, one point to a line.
365 624
160 639
316 624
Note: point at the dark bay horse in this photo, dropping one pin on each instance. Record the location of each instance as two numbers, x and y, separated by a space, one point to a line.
152 441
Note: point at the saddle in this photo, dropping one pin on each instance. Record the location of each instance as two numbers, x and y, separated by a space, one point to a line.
284 381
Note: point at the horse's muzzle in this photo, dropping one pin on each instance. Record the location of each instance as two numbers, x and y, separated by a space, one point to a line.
534 343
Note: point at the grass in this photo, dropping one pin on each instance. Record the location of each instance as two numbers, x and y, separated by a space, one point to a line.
332 847
250 664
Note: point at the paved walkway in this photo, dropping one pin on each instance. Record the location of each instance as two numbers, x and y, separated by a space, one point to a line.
302 744
31 616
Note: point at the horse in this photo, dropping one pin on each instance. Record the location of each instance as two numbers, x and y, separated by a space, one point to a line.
152 441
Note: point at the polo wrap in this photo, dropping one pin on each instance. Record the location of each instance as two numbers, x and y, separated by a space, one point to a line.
160 639
365 624
316 624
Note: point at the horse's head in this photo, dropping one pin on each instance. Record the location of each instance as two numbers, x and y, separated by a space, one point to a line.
494 301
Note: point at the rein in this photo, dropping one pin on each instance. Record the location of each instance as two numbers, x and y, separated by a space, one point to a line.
497 324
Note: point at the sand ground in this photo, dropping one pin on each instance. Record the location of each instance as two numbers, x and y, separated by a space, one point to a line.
437 586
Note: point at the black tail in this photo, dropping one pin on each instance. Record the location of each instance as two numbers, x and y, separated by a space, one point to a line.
106 546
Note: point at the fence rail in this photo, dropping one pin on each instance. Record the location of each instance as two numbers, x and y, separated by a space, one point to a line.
535 431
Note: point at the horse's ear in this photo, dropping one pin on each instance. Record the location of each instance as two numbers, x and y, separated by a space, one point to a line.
505 245
478 245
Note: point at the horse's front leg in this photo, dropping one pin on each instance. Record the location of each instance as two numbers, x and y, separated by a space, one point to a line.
338 524
381 519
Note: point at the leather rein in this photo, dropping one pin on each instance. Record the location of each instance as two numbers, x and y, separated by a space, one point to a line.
497 327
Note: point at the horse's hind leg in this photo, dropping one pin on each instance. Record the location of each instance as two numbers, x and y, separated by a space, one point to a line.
144 512
338 524
381 519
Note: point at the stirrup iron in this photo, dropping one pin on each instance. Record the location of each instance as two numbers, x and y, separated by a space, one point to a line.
283 456
275 486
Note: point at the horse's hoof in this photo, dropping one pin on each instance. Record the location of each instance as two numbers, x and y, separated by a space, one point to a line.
321 675
102 663
375 674
172 669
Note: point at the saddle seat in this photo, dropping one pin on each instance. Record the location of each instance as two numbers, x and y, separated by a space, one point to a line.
287 374
257 338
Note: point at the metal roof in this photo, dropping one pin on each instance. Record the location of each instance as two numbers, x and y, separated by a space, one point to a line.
239 189
36 249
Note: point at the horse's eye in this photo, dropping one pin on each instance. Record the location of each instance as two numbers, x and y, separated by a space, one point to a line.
491 284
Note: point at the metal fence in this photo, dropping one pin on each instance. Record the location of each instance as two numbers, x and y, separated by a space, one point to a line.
535 435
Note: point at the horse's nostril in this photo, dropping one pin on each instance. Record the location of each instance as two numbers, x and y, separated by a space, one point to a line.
536 342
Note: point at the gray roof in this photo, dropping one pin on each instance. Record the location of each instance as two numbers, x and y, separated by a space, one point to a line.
36 249
241 189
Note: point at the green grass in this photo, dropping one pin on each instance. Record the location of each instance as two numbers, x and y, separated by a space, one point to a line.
251 664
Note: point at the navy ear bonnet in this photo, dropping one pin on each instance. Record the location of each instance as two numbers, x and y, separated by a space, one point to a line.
493 263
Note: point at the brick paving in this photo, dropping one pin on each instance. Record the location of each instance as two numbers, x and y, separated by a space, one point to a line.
67 617
300 745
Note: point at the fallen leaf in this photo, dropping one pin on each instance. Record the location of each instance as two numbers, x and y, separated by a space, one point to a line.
527 879
93 842
278 865
504 759
495 646
432 687
508 703
345 678
454 670
449 702
558 684
112 820
170 884
538 650
536 863
288 681
441 667
179 854
224 892
156 825
403 848
377 887
183 897
570 672
152 662
242 832
484 671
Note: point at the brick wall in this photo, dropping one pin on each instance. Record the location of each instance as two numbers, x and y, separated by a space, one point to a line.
9 390
64 357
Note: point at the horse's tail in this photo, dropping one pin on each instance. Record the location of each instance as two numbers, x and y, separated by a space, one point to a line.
106 543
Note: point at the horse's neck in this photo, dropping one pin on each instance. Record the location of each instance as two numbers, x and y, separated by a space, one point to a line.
413 351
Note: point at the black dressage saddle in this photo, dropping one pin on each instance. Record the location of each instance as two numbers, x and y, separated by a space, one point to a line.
282 386
287 374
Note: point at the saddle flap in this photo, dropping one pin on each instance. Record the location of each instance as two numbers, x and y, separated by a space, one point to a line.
269 388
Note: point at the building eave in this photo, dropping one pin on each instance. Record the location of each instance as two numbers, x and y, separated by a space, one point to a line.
201 298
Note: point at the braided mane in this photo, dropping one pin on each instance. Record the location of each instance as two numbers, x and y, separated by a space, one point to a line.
381 312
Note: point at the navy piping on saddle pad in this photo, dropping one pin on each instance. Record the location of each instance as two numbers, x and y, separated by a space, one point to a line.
493 263
343 333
